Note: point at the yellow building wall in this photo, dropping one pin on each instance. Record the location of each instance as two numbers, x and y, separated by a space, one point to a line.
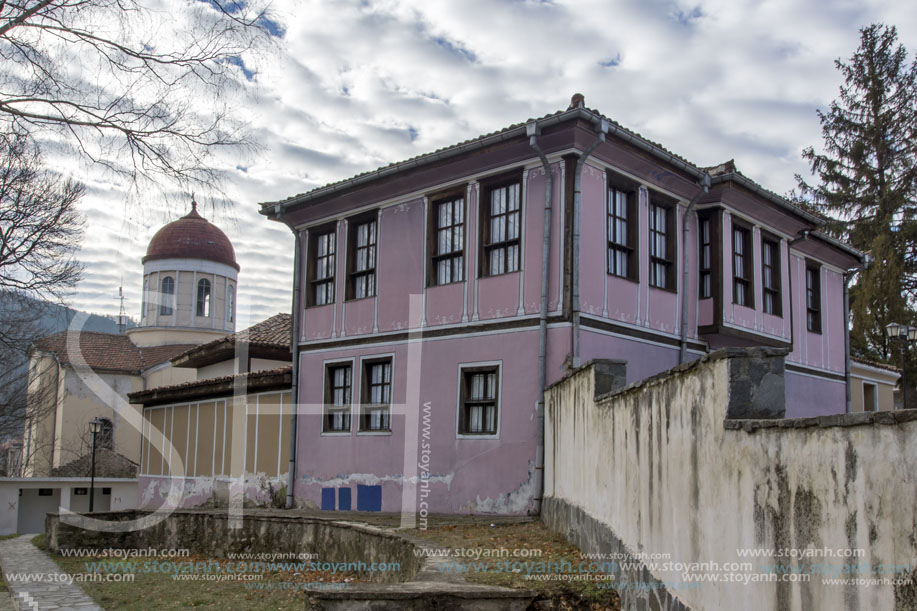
219 437
883 380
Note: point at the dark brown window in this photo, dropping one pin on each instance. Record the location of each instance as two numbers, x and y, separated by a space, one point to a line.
501 220
662 246
361 255
621 225
705 258
741 267
770 276
203 297
448 241
479 410
375 412
167 296
338 385
323 250
813 298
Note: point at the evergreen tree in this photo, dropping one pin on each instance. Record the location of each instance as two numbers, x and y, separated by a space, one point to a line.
867 183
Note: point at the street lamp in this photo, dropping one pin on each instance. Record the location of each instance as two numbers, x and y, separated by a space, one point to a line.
95 425
905 335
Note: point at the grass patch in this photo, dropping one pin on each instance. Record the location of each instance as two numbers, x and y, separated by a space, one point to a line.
525 555
274 591
40 541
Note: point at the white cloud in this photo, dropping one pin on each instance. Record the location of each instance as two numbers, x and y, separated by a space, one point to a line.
360 84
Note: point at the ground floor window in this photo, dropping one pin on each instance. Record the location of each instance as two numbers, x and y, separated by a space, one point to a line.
479 407
375 413
337 399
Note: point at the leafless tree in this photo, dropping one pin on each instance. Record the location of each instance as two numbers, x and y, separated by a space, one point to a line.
40 226
141 87
40 233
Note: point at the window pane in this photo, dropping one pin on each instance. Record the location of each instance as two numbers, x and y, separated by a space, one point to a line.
497 229
512 258
512 229
621 200
444 241
443 272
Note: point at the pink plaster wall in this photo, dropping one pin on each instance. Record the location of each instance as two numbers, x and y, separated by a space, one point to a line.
400 269
467 475
808 396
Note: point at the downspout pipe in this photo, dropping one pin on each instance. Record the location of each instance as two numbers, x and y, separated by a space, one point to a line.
533 131
601 128
683 345
294 349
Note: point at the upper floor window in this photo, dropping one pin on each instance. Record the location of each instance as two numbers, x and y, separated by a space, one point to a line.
321 264
813 298
375 412
362 256
167 296
448 258
770 276
203 297
662 246
338 385
705 258
621 222
741 266
501 224
230 302
479 409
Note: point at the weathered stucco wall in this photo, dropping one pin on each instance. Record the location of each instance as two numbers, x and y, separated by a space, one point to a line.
678 465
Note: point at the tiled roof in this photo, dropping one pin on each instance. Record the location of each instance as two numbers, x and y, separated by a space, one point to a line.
106 351
280 377
875 364
191 237
273 332
419 159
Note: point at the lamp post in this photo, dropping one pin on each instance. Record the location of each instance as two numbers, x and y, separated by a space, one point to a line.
905 335
95 425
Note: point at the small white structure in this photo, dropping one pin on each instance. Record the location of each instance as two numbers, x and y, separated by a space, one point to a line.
25 501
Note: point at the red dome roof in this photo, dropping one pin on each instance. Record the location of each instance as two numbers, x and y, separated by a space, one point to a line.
191 237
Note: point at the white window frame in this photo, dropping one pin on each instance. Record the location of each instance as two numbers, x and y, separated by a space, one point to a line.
353 387
499 398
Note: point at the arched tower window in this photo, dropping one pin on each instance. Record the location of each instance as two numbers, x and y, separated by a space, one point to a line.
167 296
106 435
230 303
203 297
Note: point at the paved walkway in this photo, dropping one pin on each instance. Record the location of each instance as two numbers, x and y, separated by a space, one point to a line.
41 584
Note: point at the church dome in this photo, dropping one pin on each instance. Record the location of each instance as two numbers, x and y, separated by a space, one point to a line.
192 237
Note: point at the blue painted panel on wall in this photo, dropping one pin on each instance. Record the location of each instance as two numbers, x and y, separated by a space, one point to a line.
369 498
327 499
343 499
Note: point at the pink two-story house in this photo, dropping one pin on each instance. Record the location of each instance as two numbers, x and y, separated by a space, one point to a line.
436 297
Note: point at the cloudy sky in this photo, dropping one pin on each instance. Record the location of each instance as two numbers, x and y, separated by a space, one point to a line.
354 85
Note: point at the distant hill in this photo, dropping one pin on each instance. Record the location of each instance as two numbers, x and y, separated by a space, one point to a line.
39 319
58 318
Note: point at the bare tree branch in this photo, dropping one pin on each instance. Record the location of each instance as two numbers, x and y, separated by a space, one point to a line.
143 88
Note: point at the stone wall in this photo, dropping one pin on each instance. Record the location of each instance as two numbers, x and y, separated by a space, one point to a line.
215 534
697 463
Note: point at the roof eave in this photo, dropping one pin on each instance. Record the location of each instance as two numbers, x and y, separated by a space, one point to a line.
768 195
275 210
